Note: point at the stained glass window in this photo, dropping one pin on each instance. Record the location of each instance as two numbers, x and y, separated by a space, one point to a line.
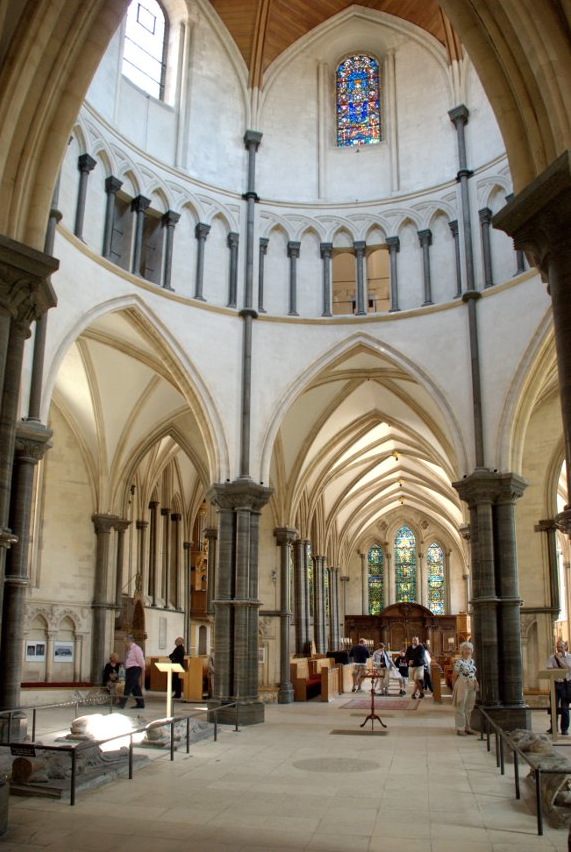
376 579
405 566
144 46
358 105
435 571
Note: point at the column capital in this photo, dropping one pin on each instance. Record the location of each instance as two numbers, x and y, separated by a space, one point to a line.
140 204
240 494
393 243
326 249
485 215
141 525
453 225
112 185
86 163
164 512
285 535
471 295
176 517
169 219
459 115
187 545
563 521
425 237
252 139
359 247
293 249
232 239
153 504
104 523
546 525
121 525
264 243
201 231
33 440
24 280
483 486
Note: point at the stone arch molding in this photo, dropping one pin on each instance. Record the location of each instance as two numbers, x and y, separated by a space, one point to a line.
190 383
343 349
53 615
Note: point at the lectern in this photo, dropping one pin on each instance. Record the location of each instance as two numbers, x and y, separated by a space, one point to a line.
552 675
169 668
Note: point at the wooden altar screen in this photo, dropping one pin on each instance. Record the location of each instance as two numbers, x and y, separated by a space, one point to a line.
398 623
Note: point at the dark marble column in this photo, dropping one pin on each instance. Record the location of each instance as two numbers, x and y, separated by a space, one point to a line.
326 251
495 598
32 442
236 603
165 579
344 581
168 223
103 524
293 254
232 242
201 231
141 527
139 206
459 118
360 247
121 528
85 164
394 247
319 610
539 220
425 240
112 187
176 518
549 527
453 225
263 250
187 548
211 534
300 596
333 609
485 215
153 538
285 536
471 298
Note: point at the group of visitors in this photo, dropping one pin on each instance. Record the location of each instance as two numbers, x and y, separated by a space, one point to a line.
124 679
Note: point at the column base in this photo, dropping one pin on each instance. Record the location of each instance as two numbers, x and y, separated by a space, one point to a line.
507 717
249 713
285 694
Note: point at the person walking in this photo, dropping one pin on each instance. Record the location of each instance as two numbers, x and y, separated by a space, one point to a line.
464 689
177 656
561 660
134 668
383 664
415 655
359 654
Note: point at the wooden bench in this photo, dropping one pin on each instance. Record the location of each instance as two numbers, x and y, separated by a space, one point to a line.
305 685
329 682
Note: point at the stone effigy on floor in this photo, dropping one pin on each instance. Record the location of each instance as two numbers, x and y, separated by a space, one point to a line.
556 788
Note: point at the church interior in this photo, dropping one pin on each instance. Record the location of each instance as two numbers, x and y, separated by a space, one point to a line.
285 354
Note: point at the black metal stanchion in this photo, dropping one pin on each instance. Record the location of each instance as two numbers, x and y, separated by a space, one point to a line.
131 757
516 775
538 801
172 739
73 770
188 734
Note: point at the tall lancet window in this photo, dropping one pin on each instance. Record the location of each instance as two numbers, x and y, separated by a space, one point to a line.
376 578
145 45
435 571
358 101
405 566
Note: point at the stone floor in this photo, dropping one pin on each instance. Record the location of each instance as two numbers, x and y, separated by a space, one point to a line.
290 784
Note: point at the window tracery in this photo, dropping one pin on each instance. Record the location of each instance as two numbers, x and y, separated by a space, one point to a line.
358 101
435 573
144 46
405 566
376 579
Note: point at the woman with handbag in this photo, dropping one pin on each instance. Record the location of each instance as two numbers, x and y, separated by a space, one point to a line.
561 660
465 688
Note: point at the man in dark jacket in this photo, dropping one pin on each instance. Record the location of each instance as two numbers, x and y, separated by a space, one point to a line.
359 654
416 660
177 656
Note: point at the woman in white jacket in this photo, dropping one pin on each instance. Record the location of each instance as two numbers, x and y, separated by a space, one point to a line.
465 688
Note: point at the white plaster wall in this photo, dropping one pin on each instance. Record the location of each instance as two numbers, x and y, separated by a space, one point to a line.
217 264
309 277
276 274
409 266
442 261
483 138
184 254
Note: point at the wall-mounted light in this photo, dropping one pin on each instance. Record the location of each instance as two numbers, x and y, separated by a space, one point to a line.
395 455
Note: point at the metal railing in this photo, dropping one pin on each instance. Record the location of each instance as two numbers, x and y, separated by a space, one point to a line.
502 741
29 748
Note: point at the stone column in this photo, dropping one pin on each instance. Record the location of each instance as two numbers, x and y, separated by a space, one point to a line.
103 524
152 588
471 298
360 247
201 231
85 164
390 597
549 527
539 219
459 118
293 254
453 225
187 547
32 442
300 597
485 215
364 584
168 223
140 526
334 609
51 636
425 239
77 656
319 614
394 247
495 599
308 611
25 295
263 250
326 250
138 206
211 534
285 536
232 242
112 187
120 527
421 580
165 579
236 603
344 580
175 585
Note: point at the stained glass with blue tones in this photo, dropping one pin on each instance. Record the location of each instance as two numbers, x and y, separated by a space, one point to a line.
358 104
435 572
405 566
376 578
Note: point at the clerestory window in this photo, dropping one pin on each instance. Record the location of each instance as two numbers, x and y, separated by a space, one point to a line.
144 48
358 101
